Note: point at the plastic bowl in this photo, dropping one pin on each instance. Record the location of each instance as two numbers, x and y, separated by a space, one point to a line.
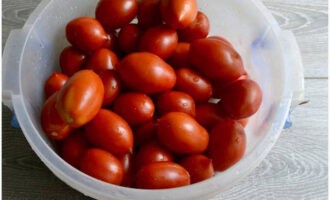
270 56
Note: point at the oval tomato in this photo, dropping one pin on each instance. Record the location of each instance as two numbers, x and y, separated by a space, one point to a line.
51 122
102 165
227 144
74 147
129 38
159 40
101 60
112 86
109 131
179 58
86 33
71 60
174 101
148 14
161 175
146 73
54 83
81 98
241 99
135 108
178 14
180 133
145 132
194 84
152 152
216 60
115 14
199 167
198 29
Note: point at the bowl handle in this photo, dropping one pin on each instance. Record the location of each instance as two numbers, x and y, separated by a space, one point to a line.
11 60
294 61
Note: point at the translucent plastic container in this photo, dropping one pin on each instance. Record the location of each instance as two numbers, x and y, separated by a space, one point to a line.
271 56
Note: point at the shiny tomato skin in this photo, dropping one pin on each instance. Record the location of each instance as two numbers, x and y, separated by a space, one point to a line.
112 86
162 175
80 98
174 101
129 38
181 133
101 60
152 152
146 73
74 147
145 132
135 108
102 165
227 144
159 40
216 60
86 34
54 83
51 122
111 132
241 99
148 14
208 114
222 39
115 14
194 84
199 167
198 29
71 60
179 58
127 162
178 14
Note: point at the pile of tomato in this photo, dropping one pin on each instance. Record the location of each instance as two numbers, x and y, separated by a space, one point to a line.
184 96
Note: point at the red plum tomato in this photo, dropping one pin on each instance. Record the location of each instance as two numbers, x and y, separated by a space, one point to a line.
71 60
54 83
146 73
174 101
178 14
227 144
159 40
81 98
86 34
162 175
198 29
199 167
101 60
241 99
114 14
135 108
53 125
111 132
181 133
102 165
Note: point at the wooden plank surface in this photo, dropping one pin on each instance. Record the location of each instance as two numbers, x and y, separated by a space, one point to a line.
296 167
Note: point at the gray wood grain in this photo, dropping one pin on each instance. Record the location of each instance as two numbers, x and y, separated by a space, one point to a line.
297 166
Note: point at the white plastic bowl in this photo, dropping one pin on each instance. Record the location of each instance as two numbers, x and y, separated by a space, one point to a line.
271 57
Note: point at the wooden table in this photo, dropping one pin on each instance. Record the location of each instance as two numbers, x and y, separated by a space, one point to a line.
296 167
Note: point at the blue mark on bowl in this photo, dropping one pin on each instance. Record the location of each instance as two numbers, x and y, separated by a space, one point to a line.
14 122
